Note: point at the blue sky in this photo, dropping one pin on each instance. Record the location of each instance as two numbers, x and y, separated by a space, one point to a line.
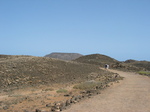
117 28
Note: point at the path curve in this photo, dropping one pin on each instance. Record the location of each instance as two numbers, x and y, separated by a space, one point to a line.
130 95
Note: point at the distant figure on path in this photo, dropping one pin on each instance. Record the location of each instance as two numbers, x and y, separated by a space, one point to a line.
106 66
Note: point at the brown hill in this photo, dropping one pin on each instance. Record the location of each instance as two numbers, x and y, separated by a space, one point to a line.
97 59
28 70
101 60
64 56
28 82
143 64
130 61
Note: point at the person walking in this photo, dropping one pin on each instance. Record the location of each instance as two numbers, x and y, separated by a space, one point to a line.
106 66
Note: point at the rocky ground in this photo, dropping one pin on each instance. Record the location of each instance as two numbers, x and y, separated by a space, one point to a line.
34 84
16 71
46 98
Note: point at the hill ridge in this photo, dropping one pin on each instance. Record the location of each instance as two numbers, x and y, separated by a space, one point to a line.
64 56
97 59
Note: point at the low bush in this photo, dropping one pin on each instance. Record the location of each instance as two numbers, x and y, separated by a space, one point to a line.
144 73
88 85
61 91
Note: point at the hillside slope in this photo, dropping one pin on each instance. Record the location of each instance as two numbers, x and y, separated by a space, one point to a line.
28 83
144 64
28 70
101 60
96 59
64 56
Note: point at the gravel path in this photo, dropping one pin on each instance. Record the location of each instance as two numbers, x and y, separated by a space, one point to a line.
130 95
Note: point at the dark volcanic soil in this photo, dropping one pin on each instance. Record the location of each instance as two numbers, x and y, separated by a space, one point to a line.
28 70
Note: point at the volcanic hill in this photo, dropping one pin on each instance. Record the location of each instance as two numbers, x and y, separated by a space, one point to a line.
64 56
97 59
31 83
144 64
101 60
29 70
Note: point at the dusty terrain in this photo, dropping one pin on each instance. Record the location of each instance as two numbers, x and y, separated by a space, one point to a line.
43 97
16 71
35 84
130 95
28 83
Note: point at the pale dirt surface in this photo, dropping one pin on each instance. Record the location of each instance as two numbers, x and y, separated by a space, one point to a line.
130 95
31 98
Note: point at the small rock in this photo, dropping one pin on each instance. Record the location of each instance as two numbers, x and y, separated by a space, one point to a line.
52 109
57 110
80 97
5 90
66 95
72 100
5 107
25 111
67 102
62 106
98 92
37 110
82 92
48 105
117 81
107 85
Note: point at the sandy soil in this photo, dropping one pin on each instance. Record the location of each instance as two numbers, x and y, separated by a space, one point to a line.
130 95
30 98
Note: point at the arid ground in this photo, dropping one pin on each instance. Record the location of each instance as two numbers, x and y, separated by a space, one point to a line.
41 84
130 95
28 83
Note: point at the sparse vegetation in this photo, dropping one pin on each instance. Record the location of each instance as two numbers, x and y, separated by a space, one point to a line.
144 64
88 85
62 91
49 89
15 95
144 73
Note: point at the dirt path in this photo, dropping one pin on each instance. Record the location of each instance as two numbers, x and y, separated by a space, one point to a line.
130 95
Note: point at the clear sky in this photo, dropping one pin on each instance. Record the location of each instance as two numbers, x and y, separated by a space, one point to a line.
117 28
